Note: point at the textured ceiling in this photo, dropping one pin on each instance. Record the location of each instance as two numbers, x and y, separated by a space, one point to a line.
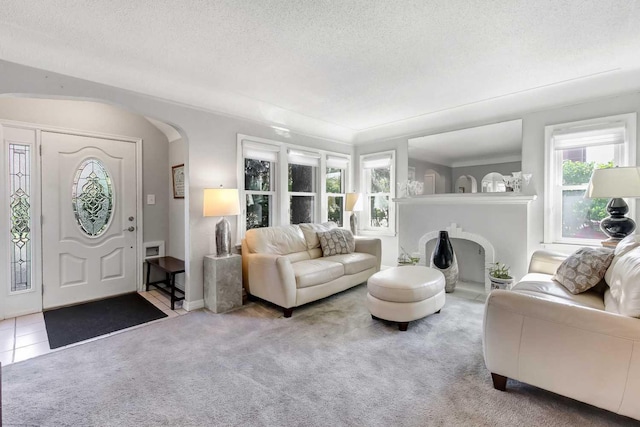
329 67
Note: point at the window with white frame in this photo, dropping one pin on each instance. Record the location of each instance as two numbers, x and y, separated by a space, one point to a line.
260 184
20 213
574 150
303 185
336 181
378 186
287 184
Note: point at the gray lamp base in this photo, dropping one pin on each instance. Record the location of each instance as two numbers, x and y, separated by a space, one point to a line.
223 238
353 222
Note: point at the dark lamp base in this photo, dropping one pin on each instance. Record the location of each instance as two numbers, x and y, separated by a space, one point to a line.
617 226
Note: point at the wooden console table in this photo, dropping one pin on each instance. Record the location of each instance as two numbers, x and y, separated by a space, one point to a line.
171 266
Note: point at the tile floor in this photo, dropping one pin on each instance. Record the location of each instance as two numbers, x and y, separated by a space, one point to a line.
25 337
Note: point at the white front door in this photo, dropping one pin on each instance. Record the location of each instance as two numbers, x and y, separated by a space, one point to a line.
89 218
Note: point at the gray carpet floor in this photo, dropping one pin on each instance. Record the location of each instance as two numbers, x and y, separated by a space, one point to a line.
328 365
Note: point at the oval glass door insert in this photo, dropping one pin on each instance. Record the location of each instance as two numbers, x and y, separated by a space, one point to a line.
92 197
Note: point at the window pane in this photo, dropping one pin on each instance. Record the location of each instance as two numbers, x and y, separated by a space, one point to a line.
258 210
578 163
92 197
334 180
302 178
257 175
581 217
379 208
301 209
381 180
335 209
20 211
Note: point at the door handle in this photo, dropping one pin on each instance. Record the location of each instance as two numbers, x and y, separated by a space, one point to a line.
132 229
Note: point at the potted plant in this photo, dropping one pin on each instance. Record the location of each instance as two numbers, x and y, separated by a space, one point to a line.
408 259
500 276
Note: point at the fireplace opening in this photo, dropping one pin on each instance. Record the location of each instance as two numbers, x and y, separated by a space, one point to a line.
473 252
471 262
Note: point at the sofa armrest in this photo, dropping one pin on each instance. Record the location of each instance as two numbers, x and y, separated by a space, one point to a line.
271 277
546 262
561 348
575 316
372 246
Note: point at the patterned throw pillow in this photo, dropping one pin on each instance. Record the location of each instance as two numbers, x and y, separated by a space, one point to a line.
351 241
333 242
583 269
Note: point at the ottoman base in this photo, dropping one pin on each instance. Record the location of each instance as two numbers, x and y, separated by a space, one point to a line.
405 312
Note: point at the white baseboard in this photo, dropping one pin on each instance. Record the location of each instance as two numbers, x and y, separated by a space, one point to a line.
193 305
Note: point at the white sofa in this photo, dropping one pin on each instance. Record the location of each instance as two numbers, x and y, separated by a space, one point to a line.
574 345
284 265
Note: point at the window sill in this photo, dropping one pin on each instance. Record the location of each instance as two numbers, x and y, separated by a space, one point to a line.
386 233
570 247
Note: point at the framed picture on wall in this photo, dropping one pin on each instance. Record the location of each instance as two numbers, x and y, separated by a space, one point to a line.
177 175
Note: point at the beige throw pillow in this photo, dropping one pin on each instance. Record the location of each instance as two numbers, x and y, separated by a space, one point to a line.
333 242
310 231
583 269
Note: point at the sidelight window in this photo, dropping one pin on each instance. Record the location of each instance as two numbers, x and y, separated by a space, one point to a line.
20 213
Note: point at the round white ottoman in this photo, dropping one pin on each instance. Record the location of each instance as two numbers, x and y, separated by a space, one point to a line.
403 294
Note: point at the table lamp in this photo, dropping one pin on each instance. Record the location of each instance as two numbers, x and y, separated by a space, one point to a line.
615 183
353 205
221 202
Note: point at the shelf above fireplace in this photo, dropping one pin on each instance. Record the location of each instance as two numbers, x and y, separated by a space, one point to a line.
469 199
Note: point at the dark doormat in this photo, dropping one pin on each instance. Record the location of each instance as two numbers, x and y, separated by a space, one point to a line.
81 322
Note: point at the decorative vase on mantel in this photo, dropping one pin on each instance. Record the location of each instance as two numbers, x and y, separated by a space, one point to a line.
444 260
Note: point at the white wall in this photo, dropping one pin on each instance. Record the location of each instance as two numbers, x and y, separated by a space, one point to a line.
211 141
177 208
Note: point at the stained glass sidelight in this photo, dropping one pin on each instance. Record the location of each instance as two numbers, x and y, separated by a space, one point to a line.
20 212
92 197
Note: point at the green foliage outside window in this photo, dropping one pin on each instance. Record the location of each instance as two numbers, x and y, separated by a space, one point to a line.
257 177
586 214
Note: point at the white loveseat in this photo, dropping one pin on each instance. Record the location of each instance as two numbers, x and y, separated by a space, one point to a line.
284 265
578 346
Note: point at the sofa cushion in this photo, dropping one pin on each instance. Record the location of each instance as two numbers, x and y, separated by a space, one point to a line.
333 242
316 271
355 262
310 230
282 240
541 284
623 285
584 269
625 245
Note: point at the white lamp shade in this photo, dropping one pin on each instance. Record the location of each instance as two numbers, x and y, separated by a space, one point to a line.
354 202
220 202
614 183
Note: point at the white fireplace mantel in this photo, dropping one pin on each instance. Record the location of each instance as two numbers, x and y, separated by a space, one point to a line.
498 222
469 199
